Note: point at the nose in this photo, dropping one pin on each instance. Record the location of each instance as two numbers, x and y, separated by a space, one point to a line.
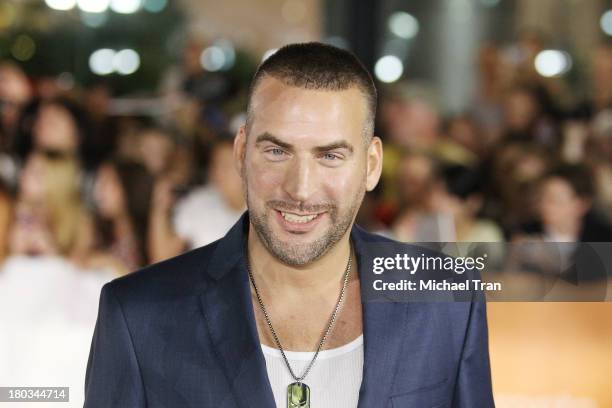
299 182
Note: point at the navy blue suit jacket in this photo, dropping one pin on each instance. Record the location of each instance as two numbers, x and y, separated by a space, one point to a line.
182 333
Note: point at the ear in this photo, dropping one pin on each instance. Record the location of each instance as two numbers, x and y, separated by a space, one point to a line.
240 149
374 163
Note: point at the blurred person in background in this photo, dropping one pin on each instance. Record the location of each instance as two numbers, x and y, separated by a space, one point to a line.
441 203
565 212
410 121
599 151
410 116
460 197
104 127
57 125
464 130
525 120
195 97
461 143
201 217
514 171
602 79
599 94
50 218
15 94
416 177
493 80
117 243
48 301
157 150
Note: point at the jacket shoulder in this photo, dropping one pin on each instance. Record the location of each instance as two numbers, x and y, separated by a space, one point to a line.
178 276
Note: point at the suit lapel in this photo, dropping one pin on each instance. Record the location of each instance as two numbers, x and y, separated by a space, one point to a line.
383 336
383 333
228 311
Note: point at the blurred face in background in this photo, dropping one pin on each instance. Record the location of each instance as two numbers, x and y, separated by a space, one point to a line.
15 92
464 131
410 123
520 110
305 165
49 210
156 149
55 129
108 193
223 175
559 205
415 178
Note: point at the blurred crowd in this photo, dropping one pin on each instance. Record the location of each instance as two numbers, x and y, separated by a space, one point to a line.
93 186
530 159
111 186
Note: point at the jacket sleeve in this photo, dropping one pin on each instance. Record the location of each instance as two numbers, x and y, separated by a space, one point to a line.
113 376
473 387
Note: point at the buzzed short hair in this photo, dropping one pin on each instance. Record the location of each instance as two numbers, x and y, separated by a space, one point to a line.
317 66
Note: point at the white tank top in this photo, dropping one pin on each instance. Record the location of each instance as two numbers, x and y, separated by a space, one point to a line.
334 380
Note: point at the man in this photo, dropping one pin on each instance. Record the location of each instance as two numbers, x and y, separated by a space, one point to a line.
213 327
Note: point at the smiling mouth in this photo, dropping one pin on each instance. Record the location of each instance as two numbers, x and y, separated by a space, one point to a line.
297 218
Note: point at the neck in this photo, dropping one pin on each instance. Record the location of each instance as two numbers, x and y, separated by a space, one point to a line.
324 274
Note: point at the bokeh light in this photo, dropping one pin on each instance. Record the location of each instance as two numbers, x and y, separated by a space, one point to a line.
126 61
101 61
93 6
551 63
606 22
125 6
212 58
23 48
403 25
229 52
388 68
61 4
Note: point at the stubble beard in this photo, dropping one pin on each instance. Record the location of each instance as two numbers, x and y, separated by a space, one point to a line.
300 254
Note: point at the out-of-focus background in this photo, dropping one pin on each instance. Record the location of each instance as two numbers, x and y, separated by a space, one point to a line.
116 125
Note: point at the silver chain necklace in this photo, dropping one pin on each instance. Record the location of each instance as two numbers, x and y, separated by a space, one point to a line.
298 393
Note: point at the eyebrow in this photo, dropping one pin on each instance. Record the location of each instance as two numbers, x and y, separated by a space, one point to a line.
268 137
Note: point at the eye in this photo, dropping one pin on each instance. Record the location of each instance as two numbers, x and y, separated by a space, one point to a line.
275 153
331 156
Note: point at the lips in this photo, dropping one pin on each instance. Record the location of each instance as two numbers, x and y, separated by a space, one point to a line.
298 223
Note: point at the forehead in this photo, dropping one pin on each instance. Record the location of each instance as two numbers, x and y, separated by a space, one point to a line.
286 110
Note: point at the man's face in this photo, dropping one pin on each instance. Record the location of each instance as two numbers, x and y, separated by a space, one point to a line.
305 167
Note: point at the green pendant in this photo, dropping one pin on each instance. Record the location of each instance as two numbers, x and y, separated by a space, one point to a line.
298 395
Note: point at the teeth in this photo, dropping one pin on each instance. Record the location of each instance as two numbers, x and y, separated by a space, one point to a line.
300 219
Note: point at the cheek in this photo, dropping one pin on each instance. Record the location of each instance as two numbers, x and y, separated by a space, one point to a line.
343 186
264 179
